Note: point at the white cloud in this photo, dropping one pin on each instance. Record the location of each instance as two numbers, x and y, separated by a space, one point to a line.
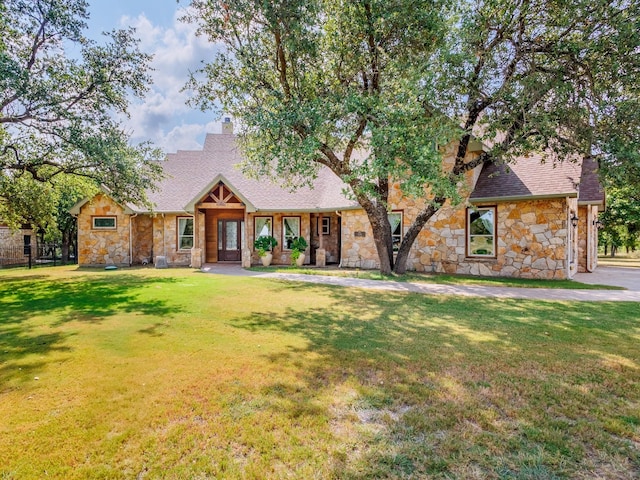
163 116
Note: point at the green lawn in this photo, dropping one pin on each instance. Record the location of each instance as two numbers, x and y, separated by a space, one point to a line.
624 259
179 374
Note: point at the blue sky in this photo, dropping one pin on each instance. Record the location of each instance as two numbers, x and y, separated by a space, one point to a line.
162 116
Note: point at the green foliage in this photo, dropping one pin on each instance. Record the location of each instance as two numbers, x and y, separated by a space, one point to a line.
264 243
57 111
621 220
376 90
298 246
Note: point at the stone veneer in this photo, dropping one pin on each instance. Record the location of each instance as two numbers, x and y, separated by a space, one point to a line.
142 239
329 242
15 238
532 241
280 255
165 239
103 247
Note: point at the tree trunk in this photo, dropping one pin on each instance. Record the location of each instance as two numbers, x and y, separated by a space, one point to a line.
377 215
409 238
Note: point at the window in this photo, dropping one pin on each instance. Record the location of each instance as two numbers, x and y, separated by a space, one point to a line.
290 230
325 228
395 220
263 226
104 223
27 244
481 232
185 233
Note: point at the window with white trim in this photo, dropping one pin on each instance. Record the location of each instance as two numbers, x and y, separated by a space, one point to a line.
395 220
185 233
290 231
481 232
104 223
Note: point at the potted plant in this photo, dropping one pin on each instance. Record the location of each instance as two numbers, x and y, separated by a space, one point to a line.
263 245
298 246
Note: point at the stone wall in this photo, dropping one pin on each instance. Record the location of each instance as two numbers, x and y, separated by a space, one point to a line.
532 241
15 238
142 230
331 242
358 246
280 255
165 240
103 247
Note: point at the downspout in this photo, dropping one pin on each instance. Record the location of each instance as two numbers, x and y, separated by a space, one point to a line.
131 238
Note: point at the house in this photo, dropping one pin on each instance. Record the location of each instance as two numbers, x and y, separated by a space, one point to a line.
14 244
532 219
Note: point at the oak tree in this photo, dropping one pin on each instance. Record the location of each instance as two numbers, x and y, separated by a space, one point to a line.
318 82
60 97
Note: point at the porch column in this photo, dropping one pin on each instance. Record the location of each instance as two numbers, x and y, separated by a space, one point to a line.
321 254
196 250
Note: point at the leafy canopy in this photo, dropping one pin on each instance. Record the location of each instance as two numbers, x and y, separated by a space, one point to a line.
60 94
375 90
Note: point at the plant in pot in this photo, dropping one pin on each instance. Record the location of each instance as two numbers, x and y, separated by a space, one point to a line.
298 246
263 246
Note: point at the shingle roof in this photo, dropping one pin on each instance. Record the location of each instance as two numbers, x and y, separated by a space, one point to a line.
191 173
530 177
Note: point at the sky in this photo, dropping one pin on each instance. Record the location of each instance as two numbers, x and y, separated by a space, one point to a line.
162 116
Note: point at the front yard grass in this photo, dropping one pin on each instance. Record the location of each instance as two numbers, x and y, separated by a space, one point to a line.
179 374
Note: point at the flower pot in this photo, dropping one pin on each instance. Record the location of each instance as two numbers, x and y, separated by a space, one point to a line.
300 260
266 259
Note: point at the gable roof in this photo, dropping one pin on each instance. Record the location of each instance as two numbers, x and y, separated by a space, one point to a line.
191 174
532 178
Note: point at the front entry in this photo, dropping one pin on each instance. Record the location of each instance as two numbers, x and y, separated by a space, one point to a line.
229 241
223 231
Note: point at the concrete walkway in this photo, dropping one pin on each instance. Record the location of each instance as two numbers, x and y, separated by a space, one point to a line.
624 277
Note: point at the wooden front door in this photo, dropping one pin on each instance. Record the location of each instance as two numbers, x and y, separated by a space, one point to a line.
229 240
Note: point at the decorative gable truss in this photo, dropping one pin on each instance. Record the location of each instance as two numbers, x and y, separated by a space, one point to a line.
221 196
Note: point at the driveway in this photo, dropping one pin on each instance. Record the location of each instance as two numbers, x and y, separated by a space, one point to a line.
629 278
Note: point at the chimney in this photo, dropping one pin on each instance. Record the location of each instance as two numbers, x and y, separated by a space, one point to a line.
227 126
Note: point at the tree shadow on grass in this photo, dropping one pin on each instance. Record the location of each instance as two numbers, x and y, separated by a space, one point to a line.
86 299
463 388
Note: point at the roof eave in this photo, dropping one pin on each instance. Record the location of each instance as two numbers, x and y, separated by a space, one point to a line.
75 210
520 198
308 210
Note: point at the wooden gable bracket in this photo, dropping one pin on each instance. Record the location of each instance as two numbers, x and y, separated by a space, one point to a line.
221 197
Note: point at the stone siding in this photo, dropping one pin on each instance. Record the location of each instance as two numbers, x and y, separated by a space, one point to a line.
331 242
103 247
142 226
165 240
532 241
280 255
15 238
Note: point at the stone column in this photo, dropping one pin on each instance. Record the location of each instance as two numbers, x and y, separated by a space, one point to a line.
246 258
321 257
196 258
